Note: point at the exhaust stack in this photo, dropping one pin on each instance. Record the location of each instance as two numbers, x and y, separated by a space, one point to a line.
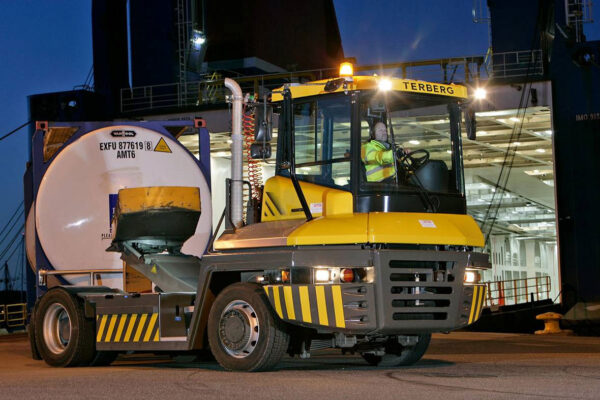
236 153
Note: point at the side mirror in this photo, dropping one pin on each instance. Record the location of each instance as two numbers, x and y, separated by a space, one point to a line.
260 150
470 123
263 123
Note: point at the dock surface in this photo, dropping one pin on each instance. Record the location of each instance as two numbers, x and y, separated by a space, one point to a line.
461 365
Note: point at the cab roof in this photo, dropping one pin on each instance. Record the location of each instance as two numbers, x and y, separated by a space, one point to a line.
370 83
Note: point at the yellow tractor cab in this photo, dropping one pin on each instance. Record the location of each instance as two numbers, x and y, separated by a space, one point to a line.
377 260
335 183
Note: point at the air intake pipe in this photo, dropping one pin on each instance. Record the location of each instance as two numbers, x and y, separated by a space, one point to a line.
236 153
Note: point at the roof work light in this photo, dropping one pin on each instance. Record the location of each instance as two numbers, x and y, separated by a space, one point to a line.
480 93
385 84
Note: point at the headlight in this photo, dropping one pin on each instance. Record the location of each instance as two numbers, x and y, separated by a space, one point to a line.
472 276
322 275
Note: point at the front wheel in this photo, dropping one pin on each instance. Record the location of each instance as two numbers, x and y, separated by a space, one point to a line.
397 355
243 332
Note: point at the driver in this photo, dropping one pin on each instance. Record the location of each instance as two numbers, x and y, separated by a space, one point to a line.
377 155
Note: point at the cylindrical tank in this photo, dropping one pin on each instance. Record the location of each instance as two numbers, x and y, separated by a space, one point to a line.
77 194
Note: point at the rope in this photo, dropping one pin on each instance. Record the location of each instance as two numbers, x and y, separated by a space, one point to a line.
15 130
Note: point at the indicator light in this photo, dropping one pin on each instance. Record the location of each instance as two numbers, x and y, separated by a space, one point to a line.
346 275
346 69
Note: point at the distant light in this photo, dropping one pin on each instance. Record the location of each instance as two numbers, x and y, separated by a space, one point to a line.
517 143
385 84
346 69
414 142
514 119
198 39
540 150
480 94
449 151
482 133
548 132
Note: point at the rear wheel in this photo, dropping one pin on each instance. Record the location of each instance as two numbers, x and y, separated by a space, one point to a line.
35 354
64 337
397 355
243 332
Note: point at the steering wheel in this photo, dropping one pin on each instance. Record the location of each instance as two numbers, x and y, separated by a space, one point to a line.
414 159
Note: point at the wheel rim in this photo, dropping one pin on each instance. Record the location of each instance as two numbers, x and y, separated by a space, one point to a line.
239 329
57 328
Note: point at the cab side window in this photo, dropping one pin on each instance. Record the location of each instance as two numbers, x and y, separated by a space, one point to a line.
322 141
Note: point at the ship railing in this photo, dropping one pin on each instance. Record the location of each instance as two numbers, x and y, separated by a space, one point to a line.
208 89
515 64
518 291
13 315
16 315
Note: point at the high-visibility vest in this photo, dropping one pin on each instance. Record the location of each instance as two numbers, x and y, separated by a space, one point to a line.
378 160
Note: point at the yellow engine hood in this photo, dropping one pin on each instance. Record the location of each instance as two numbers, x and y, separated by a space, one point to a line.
422 228
379 227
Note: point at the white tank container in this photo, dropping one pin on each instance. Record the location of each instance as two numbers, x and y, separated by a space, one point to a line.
77 195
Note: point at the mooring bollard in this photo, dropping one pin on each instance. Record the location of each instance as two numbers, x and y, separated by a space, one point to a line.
551 324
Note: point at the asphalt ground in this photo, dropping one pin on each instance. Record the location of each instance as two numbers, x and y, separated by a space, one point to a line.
461 365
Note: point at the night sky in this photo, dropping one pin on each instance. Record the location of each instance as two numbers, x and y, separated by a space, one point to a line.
46 46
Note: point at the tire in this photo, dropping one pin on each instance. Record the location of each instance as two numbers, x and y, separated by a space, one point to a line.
64 337
397 355
243 332
104 358
35 354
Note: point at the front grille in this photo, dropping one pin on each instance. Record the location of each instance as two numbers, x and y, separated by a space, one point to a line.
413 296
420 289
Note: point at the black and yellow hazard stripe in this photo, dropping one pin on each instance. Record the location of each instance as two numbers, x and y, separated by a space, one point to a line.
127 328
477 303
311 304
271 209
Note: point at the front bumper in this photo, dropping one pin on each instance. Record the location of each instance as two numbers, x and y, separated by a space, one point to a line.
415 291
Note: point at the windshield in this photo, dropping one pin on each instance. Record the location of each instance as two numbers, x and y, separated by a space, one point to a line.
408 144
